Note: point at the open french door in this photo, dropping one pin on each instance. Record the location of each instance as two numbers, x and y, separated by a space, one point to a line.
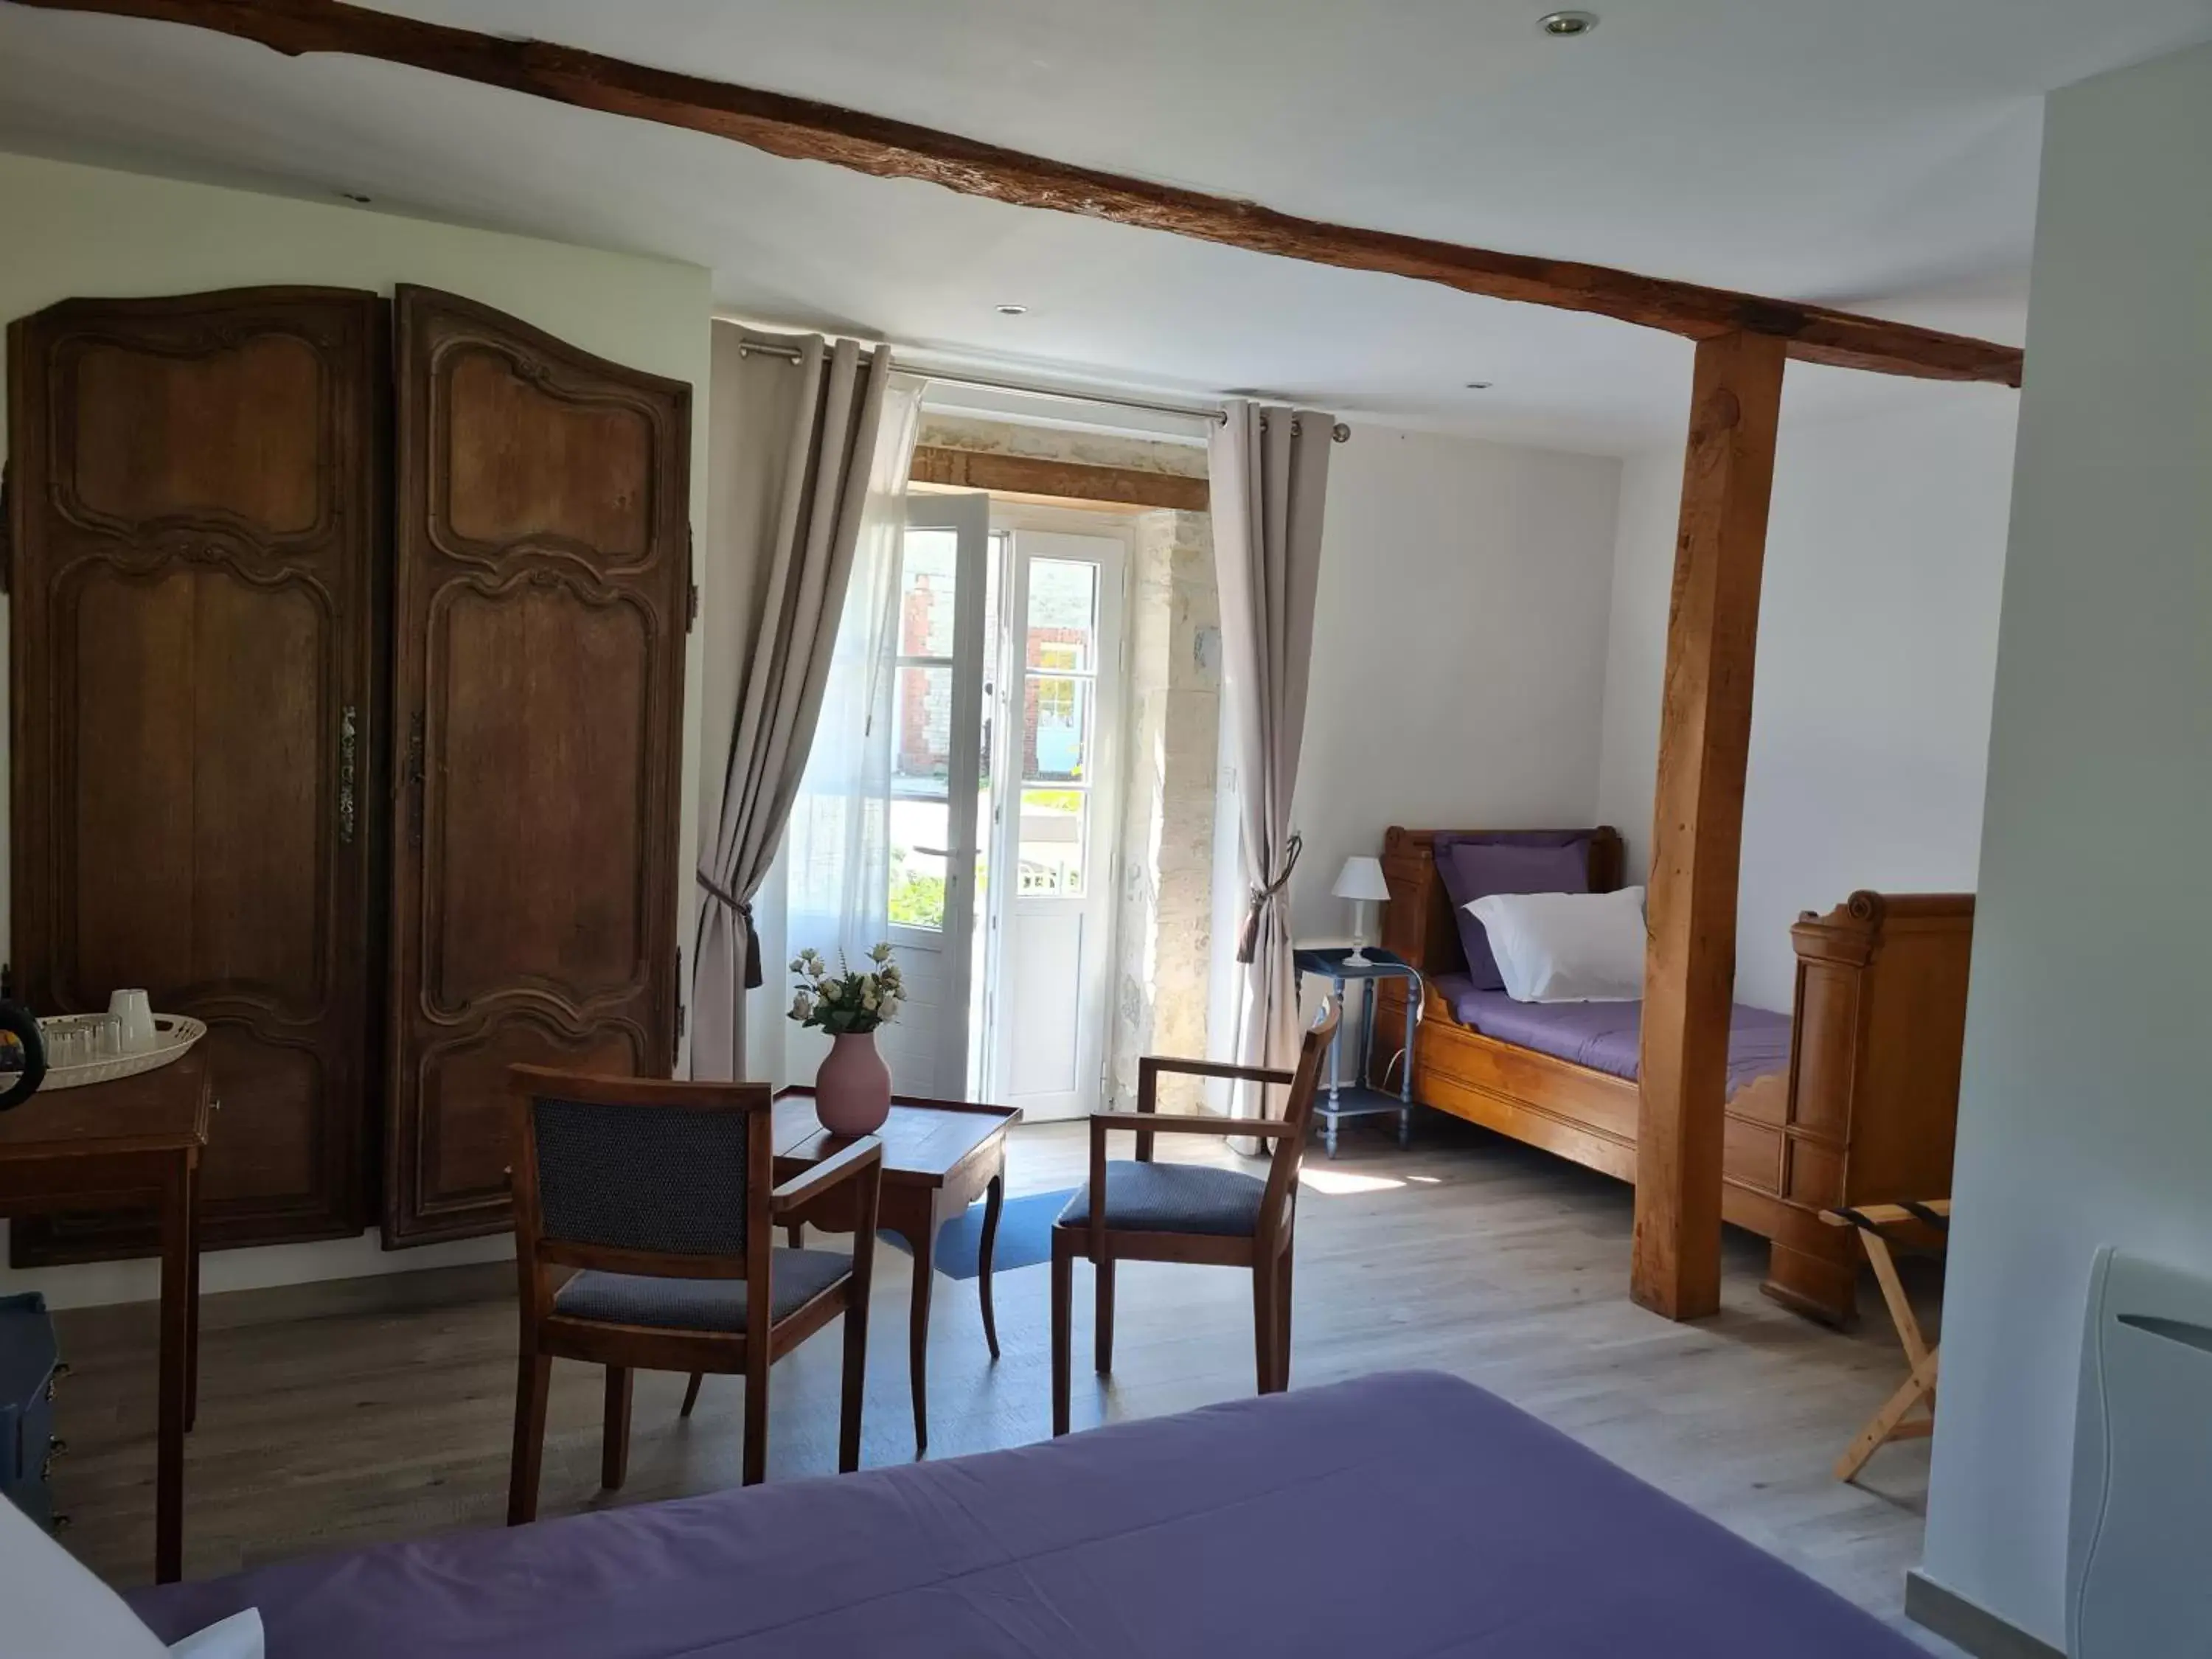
1054 813
936 771
1005 802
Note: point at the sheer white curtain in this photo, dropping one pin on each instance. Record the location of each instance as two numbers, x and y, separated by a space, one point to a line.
837 846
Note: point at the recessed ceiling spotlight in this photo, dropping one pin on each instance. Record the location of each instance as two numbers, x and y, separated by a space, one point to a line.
1567 25
1012 310
1480 386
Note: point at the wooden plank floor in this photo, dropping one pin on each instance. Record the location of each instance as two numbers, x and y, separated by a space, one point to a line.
337 1414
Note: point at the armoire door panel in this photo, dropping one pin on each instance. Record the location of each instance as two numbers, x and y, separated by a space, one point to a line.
538 666
199 825
540 709
531 463
231 432
198 522
268 1151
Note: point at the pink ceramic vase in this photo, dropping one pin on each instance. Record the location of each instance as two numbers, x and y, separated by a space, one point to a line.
852 1090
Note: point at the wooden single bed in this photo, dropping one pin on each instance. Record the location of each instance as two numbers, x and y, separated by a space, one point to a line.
1862 1109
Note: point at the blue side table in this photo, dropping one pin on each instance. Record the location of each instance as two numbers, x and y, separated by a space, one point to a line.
1357 1099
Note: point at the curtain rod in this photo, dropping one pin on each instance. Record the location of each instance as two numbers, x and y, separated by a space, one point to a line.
1341 432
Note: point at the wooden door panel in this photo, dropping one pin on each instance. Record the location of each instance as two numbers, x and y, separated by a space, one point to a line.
234 432
541 715
542 562
529 464
199 517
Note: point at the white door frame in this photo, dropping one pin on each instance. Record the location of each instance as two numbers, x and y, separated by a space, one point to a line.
1108 795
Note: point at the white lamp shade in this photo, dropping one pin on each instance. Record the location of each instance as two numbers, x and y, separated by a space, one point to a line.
1361 878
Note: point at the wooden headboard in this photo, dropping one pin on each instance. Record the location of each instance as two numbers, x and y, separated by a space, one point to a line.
1417 922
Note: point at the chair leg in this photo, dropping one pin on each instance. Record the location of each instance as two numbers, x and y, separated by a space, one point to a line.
1063 1292
1283 1324
534 1377
691 1393
856 1377
614 1429
1103 1341
755 1466
1263 1323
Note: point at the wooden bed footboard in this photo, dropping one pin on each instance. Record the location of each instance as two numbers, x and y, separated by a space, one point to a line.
1866 1112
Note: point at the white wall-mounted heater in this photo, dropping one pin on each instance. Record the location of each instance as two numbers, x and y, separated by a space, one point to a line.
2139 1555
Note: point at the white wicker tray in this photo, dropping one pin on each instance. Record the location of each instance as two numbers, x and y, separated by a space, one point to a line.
173 1034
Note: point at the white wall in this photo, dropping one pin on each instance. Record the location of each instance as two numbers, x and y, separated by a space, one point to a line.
69 230
1458 648
2086 1117
1877 650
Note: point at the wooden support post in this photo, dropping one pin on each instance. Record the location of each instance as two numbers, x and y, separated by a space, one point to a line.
1697 828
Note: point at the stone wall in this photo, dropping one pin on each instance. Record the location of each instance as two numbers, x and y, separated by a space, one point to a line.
1165 924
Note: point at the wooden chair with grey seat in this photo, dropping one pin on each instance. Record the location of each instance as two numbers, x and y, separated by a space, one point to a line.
1150 1211
657 1195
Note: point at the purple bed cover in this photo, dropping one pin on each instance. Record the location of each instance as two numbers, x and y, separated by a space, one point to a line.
1396 1515
1606 1036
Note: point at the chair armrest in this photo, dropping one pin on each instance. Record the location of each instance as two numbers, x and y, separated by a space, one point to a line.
1150 1066
1263 1129
866 1152
1155 1064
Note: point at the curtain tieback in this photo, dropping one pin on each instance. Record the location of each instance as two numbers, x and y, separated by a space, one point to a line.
1248 941
754 978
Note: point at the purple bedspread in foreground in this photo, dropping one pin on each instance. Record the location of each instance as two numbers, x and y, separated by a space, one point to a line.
1400 1515
1606 1036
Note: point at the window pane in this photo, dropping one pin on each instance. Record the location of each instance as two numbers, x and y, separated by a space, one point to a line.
928 575
921 741
917 880
1053 825
1056 729
1063 615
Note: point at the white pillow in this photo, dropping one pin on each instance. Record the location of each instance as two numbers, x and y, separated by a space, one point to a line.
239 1637
51 1604
1566 947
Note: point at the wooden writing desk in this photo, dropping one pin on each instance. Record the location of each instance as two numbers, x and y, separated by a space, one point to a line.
939 1157
133 1143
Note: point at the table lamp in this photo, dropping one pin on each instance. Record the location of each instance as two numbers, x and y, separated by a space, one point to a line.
1360 881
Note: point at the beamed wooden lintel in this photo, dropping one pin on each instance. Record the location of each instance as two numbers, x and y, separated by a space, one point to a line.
1697 828
801 129
1060 481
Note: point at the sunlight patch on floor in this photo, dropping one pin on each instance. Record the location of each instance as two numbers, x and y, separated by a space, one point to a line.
1336 1183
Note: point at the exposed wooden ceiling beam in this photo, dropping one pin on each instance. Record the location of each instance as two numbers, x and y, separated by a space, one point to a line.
803 130
1064 481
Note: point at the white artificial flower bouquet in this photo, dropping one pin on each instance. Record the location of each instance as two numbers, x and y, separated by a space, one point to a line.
847 1002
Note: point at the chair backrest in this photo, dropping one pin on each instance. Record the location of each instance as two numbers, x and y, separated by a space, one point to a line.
1277 1208
638 1175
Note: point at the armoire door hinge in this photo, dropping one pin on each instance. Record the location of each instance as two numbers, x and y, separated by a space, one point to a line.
7 535
681 1019
691 577
691 613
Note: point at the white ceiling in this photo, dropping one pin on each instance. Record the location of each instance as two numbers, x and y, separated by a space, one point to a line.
1876 153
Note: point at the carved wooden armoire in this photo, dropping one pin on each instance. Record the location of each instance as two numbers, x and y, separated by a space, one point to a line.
347 676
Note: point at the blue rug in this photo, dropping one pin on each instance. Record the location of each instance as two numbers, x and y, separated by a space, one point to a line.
1024 1236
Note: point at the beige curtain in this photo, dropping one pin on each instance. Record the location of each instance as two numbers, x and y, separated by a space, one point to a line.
798 441
1269 472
